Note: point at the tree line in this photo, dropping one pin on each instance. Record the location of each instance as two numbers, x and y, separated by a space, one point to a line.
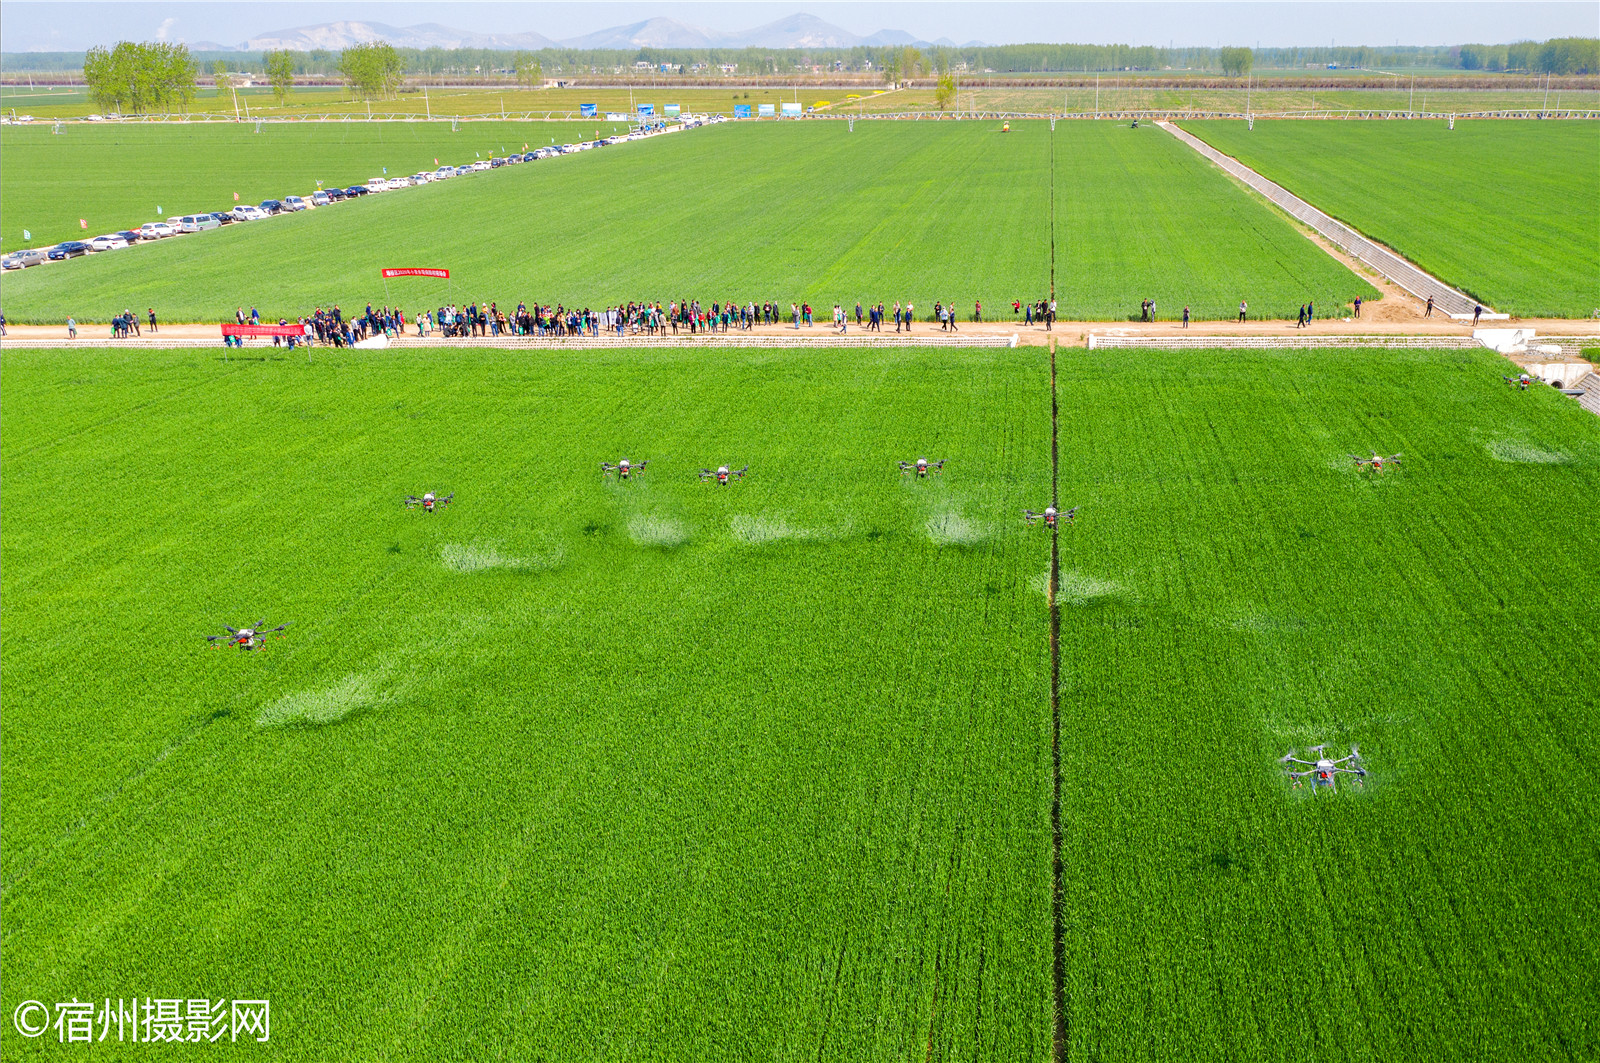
1569 55
134 78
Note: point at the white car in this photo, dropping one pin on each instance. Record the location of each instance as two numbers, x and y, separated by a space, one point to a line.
155 230
246 212
481 164
444 172
294 203
108 242
95 118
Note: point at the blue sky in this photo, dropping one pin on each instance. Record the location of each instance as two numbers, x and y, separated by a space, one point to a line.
72 26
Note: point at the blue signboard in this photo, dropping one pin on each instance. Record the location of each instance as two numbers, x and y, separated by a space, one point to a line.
766 110
646 110
587 110
741 110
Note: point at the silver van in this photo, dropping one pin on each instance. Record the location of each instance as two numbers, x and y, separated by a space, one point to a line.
194 223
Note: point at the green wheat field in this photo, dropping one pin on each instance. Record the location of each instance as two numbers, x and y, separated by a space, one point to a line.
577 769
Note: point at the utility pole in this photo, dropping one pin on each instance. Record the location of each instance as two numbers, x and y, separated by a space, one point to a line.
1411 103
1546 105
1096 96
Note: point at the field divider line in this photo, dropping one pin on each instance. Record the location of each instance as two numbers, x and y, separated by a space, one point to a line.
1062 1027
1397 269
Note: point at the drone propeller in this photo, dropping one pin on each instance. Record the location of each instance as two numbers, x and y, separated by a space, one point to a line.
280 627
1316 749
1288 758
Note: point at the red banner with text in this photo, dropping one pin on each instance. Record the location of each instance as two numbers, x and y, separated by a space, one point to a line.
263 330
442 274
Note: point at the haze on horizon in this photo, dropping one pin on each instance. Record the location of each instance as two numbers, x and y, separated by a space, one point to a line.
68 25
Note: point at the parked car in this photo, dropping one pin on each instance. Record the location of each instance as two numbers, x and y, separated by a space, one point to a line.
319 198
193 223
224 217
357 190
293 203
70 249
130 235
156 230
272 206
514 159
108 242
28 256
496 162
337 194
444 172
481 164
246 212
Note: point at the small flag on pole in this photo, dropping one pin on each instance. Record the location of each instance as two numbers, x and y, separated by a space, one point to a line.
436 162
386 169
26 235
83 223
158 210
236 197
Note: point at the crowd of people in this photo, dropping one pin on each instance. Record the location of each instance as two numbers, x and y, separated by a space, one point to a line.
332 327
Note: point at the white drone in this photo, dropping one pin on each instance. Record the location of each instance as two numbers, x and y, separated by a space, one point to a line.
622 468
1376 461
1049 516
1323 771
722 474
247 638
428 501
922 467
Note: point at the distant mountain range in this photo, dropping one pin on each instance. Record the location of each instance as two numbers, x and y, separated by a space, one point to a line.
796 31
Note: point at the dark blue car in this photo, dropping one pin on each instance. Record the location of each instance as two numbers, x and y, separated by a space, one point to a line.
70 249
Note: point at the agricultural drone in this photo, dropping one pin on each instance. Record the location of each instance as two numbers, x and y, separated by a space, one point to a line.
1049 516
922 466
622 468
246 638
1323 770
1522 380
722 474
1376 461
428 501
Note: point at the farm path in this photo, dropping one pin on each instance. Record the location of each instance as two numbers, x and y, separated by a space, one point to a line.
1381 318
